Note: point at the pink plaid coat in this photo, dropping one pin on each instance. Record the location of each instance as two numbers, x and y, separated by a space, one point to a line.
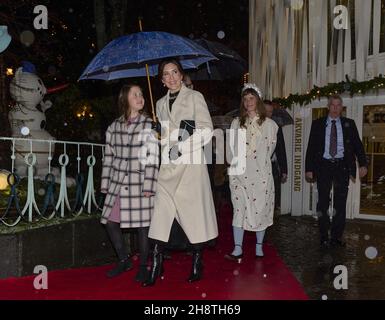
130 168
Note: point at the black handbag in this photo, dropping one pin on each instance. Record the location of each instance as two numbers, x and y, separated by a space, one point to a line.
186 129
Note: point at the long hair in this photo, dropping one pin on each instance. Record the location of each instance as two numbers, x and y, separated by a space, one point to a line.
261 111
124 106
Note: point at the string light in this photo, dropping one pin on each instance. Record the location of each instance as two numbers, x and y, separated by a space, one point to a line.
9 72
246 78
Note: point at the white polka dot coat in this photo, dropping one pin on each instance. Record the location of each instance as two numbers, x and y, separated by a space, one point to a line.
252 189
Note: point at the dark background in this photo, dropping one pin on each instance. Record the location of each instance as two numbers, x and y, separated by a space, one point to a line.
62 52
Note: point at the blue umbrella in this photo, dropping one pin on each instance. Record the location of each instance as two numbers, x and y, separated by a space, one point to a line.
127 56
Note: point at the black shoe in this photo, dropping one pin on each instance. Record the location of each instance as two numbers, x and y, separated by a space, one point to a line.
237 258
142 275
324 244
232 257
122 266
156 268
337 243
197 267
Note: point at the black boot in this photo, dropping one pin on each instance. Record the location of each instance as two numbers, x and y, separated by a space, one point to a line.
142 275
197 267
156 268
122 266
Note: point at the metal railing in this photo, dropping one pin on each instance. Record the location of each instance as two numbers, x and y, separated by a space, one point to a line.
54 204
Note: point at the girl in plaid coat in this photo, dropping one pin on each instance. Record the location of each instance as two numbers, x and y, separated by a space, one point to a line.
129 176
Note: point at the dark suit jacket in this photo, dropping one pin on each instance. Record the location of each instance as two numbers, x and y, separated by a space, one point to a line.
280 152
353 147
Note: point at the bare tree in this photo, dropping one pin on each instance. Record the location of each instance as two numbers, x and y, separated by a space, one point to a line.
113 11
100 23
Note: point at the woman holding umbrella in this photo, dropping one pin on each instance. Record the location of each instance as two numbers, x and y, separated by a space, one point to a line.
183 190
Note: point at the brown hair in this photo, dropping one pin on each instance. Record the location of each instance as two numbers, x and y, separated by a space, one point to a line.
124 106
261 111
167 61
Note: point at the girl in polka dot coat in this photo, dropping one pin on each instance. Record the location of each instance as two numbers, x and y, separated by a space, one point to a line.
252 188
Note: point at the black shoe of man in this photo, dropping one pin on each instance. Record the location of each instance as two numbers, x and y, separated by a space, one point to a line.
336 243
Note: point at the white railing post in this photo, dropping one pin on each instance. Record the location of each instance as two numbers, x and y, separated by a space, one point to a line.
30 159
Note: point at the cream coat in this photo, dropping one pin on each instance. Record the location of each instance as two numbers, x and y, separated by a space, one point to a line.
183 190
252 192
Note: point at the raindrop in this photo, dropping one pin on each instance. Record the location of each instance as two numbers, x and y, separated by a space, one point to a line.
91 51
324 297
24 131
296 4
65 124
371 253
135 258
199 5
226 280
204 35
106 68
265 275
41 192
70 10
27 37
204 295
191 36
367 237
236 273
221 34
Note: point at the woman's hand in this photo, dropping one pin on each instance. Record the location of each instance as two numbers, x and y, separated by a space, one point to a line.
148 194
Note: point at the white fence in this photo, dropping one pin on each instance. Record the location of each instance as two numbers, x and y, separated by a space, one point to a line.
55 203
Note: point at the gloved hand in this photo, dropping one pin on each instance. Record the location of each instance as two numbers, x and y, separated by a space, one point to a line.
174 152
155 125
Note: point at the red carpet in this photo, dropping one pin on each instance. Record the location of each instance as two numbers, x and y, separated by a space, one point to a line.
263 279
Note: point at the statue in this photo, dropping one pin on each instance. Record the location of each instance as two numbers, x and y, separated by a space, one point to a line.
27 119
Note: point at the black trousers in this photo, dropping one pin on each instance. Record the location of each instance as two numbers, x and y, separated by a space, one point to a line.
277 183
332 174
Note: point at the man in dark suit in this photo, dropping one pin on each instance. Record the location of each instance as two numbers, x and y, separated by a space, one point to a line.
334 145
279 160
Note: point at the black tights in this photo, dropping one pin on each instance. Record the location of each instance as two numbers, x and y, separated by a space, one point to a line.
115 233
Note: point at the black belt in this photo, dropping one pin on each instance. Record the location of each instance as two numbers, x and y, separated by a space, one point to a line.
335 160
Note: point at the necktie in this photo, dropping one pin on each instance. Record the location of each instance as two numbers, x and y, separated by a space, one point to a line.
333 140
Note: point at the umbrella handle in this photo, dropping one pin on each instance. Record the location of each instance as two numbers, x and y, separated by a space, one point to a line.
148 79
